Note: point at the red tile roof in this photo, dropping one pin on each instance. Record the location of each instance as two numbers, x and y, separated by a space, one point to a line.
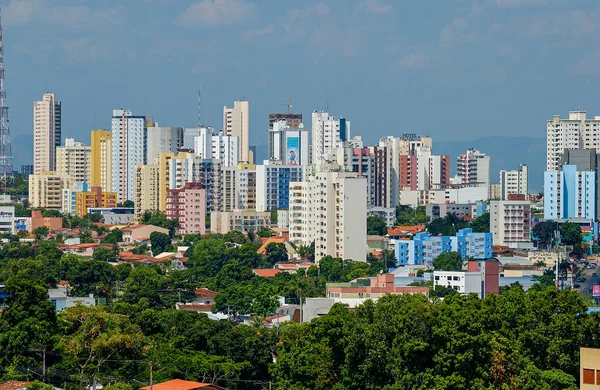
13 385
197 307
266 273
398 230
266 241
180 384
205 293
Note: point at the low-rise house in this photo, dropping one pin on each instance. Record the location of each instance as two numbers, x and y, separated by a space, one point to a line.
140 233
266 273
202 308
359 290
293 267
180 384
86 249
480 277
204 295
291 251
59 297
400 232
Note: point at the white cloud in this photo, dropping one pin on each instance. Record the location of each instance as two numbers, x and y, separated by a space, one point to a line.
215 13
416 60
518 3
322 9
21 11
259 32
574 22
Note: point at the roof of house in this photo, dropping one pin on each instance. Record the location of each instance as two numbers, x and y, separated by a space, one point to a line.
266 241
266 273
129 257
180 384
205 293
396 230
197 307
165 255
14 385
131 228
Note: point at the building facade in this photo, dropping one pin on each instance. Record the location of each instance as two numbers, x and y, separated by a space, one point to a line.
330 208
94 198
328 133
569 193
244 221
514 182
510 222
101 159
163 139
129 146
480 277
289 144
236 123
576 132
218 147
146 189
273 185
46 132
188 206
45 190
74 160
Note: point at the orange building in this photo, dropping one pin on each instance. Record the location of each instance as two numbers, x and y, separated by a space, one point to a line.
94 198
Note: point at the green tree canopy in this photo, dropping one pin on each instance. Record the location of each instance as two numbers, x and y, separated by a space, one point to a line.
376 226
160 242
103 253
449 261
570 233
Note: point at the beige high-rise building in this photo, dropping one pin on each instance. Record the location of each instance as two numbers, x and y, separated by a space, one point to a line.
146 188
101 160
162 161
73 160
236 123
46 132
45 190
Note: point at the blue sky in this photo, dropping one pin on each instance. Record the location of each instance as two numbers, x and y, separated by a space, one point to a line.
450 69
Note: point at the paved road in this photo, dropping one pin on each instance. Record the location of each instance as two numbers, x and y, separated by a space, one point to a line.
587 286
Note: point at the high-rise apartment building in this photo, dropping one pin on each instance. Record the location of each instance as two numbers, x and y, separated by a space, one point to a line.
195 169
188 206
290 119
510 222
423 171
45 190
101 159
146 189
577 132
328 133
330 208
289 144
238 188
129 146
163 139
273 185
217 147
514 182
46 132
473 168
74 160
236 123
569 193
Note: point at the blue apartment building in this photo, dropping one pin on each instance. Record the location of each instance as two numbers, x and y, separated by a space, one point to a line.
424 248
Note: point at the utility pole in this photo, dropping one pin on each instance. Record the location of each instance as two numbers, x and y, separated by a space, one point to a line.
151 384
44 365
301 313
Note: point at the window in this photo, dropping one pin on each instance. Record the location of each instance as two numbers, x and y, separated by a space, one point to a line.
588 377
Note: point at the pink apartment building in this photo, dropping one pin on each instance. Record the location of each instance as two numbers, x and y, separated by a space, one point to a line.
188 206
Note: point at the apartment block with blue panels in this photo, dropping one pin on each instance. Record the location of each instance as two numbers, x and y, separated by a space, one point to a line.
424 248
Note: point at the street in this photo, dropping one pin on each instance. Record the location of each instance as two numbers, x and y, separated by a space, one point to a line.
586 287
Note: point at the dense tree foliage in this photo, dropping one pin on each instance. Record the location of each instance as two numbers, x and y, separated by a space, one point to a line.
544 232
449 261
515 341
570 233
406 215
376 226
158 218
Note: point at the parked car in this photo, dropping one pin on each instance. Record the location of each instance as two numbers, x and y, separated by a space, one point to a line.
580 279
576 285
594 275
592 265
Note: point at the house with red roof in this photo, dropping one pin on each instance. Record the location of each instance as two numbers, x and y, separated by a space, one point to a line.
180 384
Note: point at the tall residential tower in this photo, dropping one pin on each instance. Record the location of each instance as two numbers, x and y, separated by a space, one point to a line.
46 133
236 123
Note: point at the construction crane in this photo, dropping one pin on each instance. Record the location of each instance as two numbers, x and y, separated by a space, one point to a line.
288 104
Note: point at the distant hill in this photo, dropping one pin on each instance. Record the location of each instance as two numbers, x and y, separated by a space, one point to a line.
505 153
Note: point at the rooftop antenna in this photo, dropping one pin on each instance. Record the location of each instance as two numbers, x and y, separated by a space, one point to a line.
199 100
288 104
6 158
327 105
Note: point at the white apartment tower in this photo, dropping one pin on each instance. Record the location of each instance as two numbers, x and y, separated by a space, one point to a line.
330 208
236 123
473 168
129 145
74 161
289 144
513 182
510 222
328 133
577 132
163 139
46 133
217 147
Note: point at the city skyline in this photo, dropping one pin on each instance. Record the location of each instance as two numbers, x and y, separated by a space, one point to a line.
419 64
